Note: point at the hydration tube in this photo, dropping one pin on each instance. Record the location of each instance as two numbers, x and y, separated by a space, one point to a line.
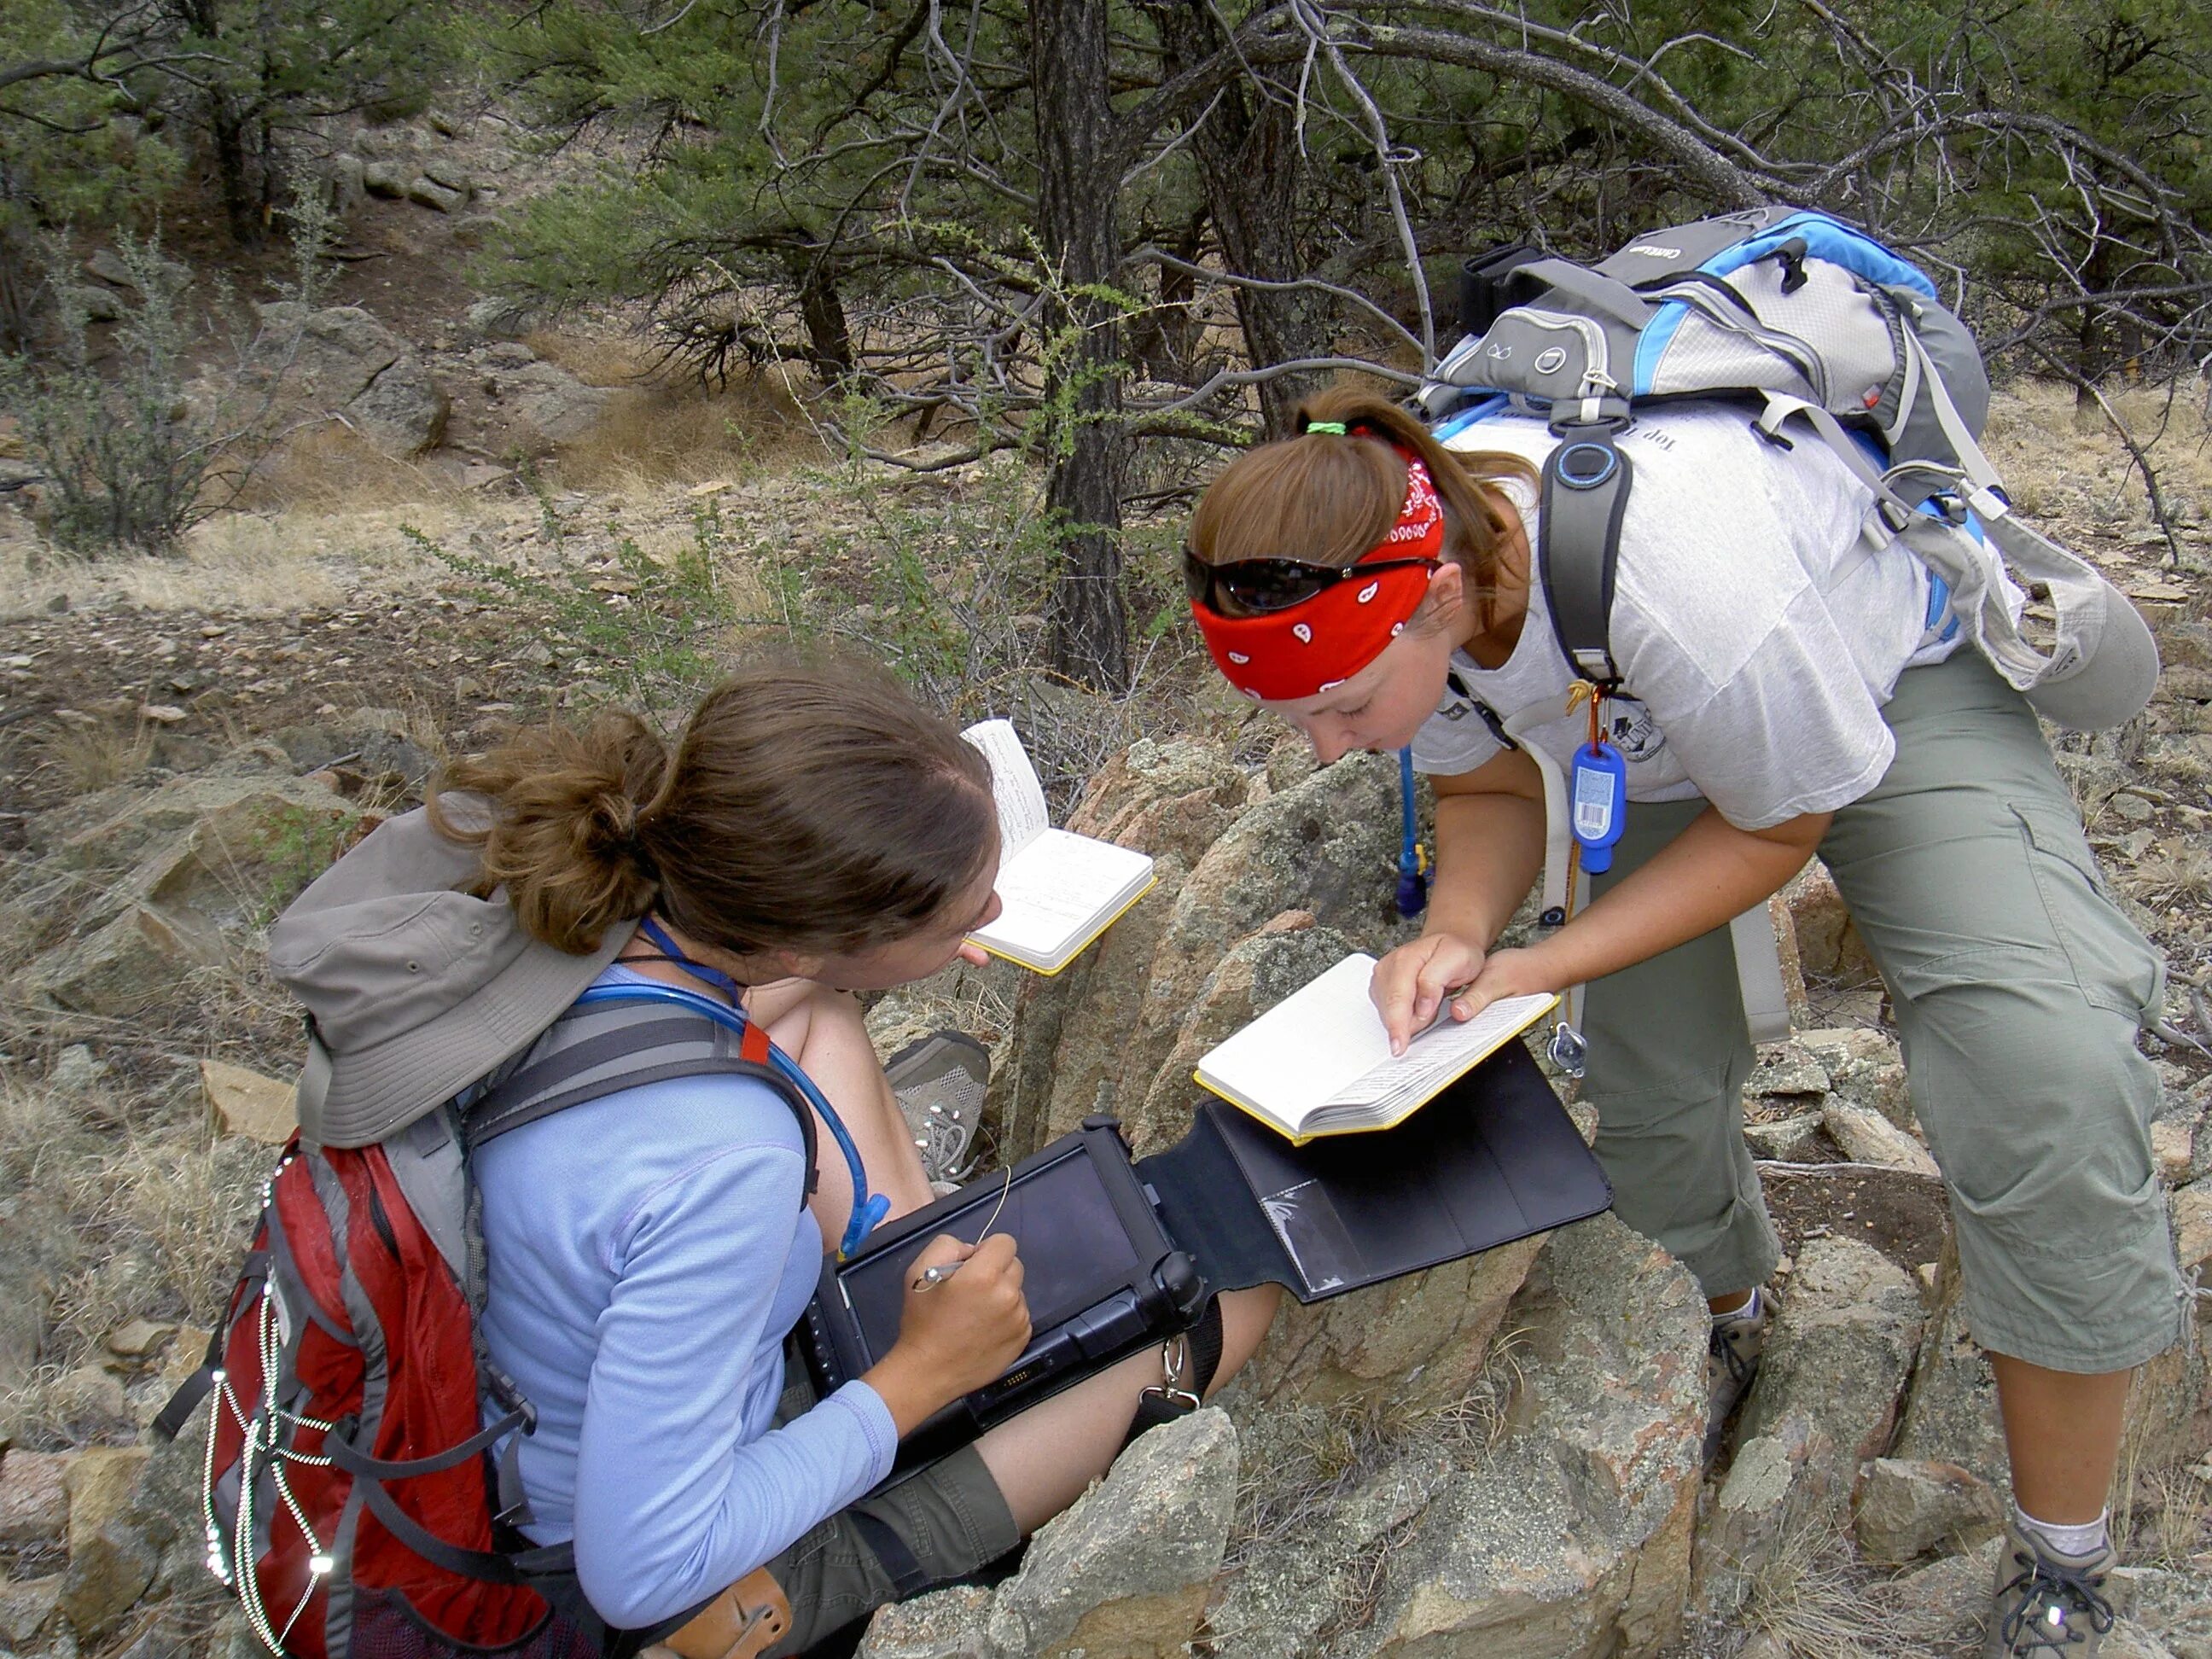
1413 857
868 1210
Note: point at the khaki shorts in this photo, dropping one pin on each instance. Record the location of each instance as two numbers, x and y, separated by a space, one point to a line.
945 1523
2019 989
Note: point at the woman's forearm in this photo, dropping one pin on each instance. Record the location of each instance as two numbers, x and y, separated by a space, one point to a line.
1705 877
1489 850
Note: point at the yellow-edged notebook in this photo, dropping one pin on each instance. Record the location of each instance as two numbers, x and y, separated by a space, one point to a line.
1319 1062
1057 891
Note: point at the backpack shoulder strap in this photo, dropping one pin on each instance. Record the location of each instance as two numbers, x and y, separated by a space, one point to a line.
596 1050
1585 491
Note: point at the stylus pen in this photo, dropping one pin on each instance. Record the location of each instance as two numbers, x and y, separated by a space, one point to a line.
930 1277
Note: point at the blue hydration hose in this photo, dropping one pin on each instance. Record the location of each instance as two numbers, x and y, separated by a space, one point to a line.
868 1210
1413 857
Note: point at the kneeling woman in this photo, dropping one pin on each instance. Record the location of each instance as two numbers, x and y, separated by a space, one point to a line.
812 834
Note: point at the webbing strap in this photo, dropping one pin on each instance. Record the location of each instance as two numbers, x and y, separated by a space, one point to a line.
172 1417
353 1461
899 1564
487 1566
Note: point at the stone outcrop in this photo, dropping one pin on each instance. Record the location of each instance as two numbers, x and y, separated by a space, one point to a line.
1570 1536
180 872
1323 848
1574 1538
1416 1342
1122 1574
1904 1509
341 362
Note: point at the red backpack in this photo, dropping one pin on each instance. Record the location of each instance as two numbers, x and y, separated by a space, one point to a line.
351 1497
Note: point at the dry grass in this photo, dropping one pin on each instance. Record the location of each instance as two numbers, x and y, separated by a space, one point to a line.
125 1206
1813 1601
662 427
264 563
92 754
330 468
2038 438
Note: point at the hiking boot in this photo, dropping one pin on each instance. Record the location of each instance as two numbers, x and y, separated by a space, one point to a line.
2046 1603
938 1082
1731 1361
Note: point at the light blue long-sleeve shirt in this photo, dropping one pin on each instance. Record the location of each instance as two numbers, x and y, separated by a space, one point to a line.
647 1254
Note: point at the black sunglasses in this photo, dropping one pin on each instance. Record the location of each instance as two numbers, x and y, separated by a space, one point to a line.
1265 585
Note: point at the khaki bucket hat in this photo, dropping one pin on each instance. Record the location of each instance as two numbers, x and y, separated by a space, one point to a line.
415 988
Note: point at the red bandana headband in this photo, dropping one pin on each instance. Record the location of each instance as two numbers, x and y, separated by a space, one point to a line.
1283 656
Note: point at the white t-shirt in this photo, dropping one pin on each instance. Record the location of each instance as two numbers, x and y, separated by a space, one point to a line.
1758 631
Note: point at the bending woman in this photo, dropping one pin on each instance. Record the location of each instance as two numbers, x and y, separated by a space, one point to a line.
1786 692
810 834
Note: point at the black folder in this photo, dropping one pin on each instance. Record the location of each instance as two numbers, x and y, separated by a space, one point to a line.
1493 1158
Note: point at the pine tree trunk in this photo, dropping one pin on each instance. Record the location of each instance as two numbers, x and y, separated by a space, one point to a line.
1247 159
1078 189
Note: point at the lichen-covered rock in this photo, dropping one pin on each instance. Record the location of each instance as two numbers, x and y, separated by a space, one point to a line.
340 361
544 405
1170 795
1906 1509
1095 1038
111 1559
1828 945
1794 1139
1327 846
1573 1538
1951 1412
1287 953
26 1610
111 832
946 1623
1837 1355
1416 1341
1123 1573
1868 1137
1286 1596
33 1501
1864 1069
1786 1068
1772 1486
124 967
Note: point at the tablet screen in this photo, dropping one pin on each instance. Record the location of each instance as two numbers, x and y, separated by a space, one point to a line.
1074 1250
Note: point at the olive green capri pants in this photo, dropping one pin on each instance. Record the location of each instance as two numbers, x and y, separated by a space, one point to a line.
2018 988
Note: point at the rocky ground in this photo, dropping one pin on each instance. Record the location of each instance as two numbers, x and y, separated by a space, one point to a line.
1501 1456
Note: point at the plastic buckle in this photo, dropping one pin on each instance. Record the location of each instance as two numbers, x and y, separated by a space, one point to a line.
1569 1050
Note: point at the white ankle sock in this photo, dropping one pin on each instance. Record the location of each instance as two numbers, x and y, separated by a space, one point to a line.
2074 1541
1749 1311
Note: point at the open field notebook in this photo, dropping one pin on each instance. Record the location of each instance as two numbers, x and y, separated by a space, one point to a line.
1319 1061
1059 891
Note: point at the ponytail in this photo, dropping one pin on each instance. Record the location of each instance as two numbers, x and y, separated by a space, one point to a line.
564 838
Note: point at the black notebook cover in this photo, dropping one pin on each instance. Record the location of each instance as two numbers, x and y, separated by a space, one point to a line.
1493 1158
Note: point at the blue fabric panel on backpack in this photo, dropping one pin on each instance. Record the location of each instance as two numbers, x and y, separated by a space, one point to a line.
1826 238
1452 425
1657 335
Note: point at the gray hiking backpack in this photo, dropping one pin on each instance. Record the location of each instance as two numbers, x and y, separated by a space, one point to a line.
1819 330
